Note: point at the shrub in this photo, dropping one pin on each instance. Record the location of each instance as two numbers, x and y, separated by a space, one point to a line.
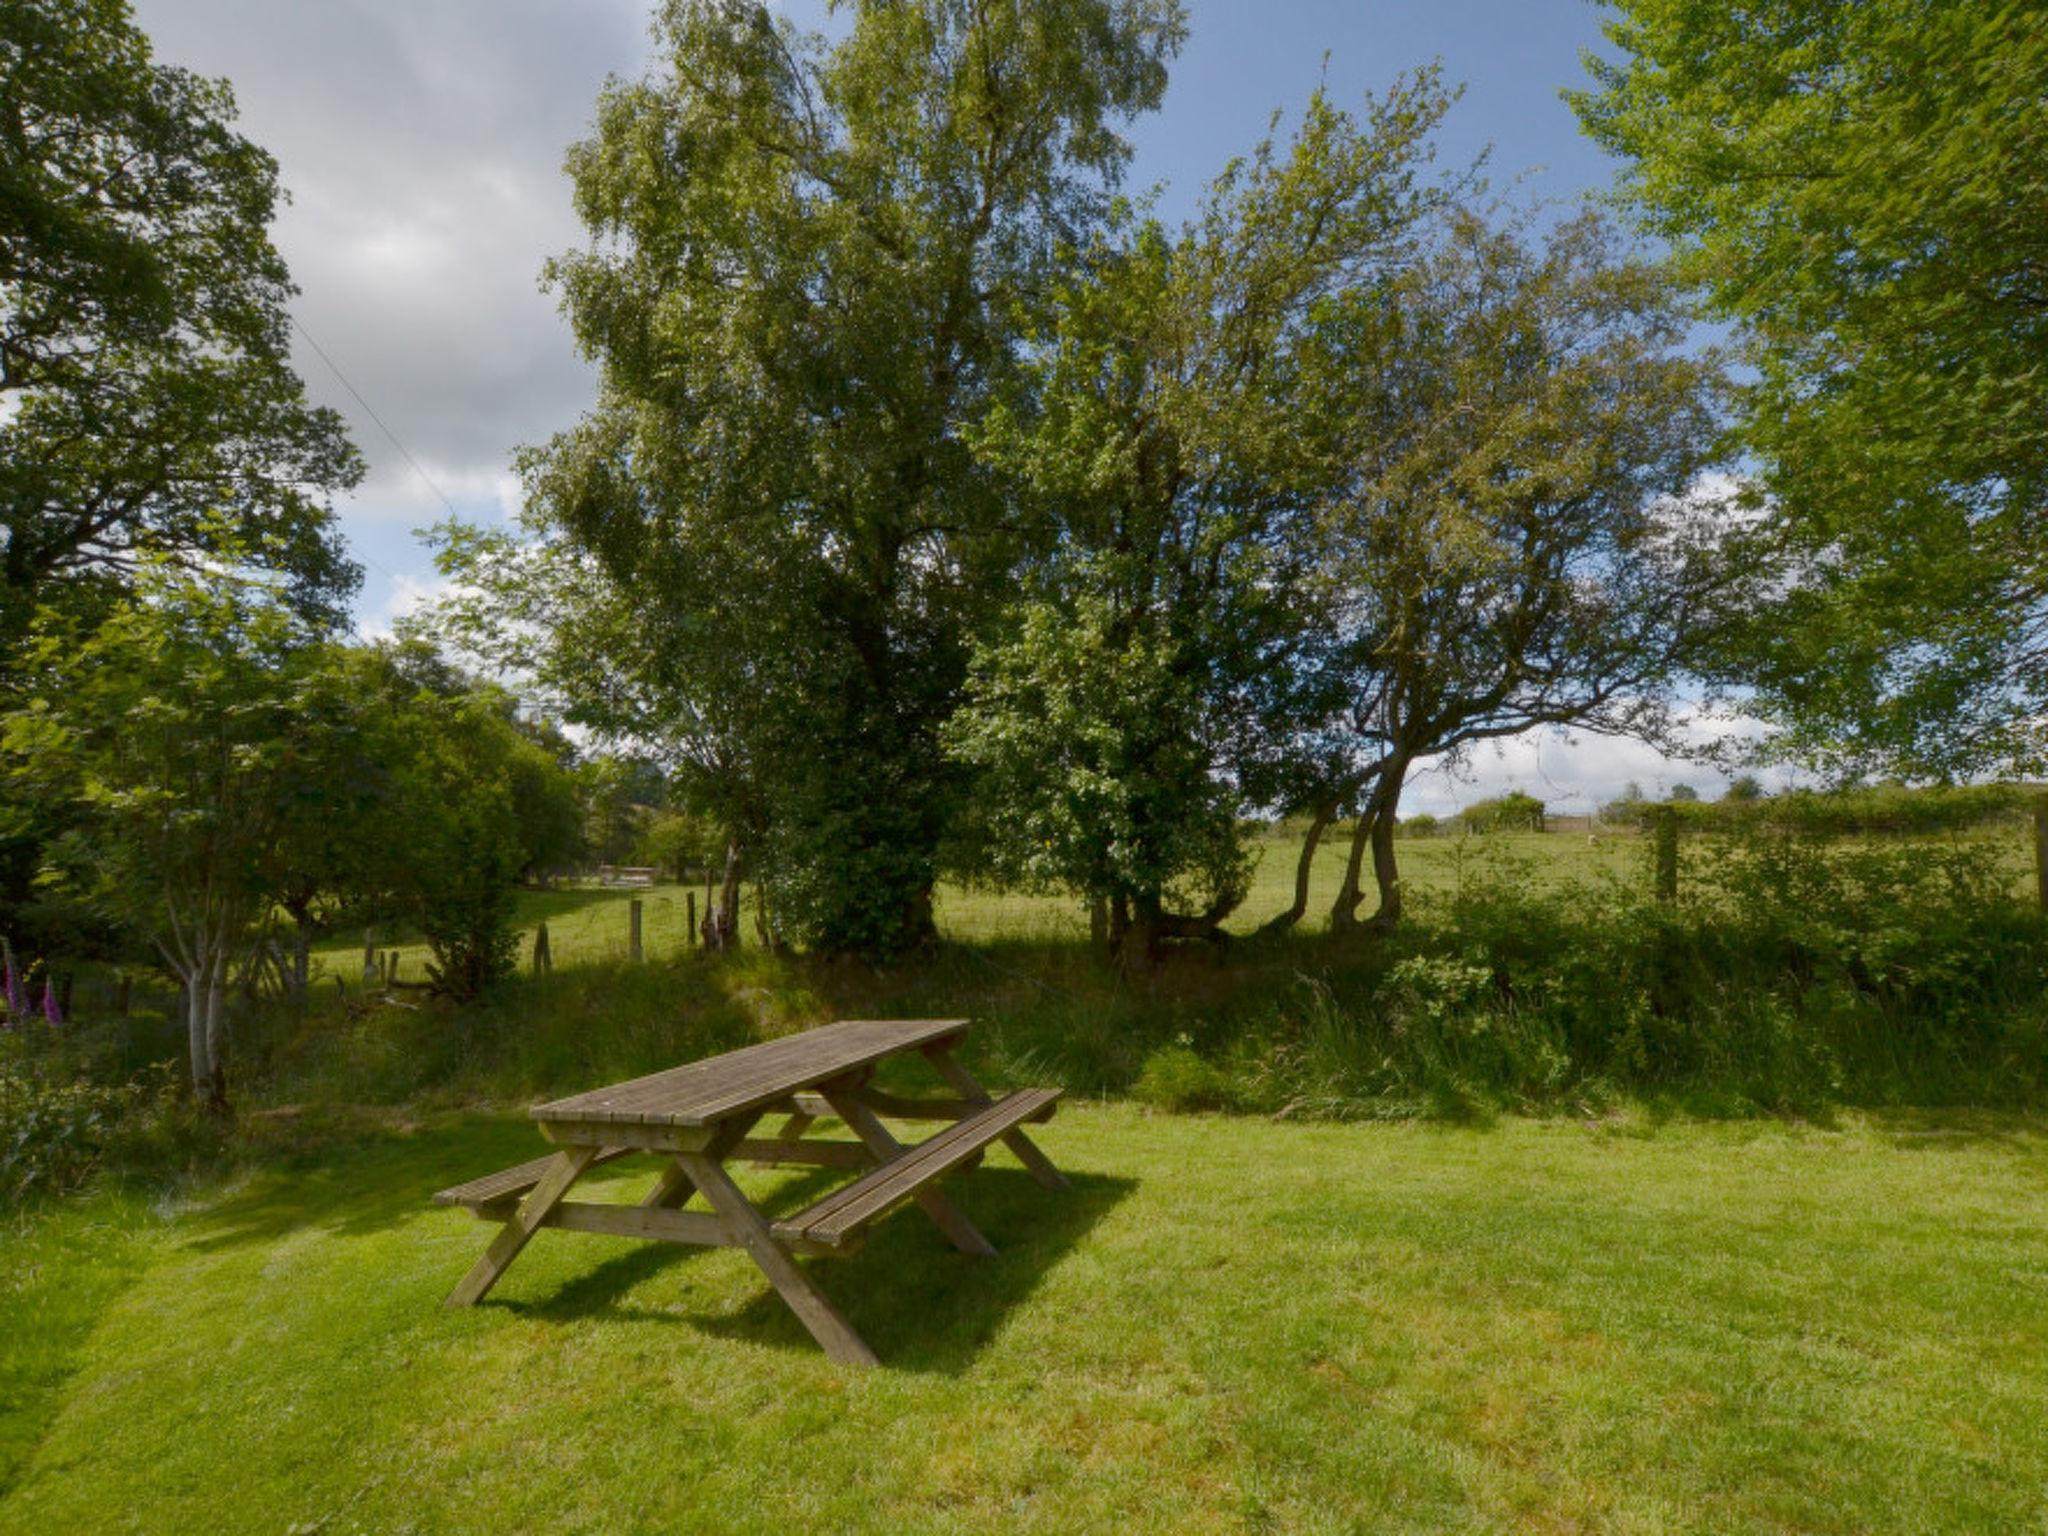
1420 825
1175 1078
53 1135
1512 812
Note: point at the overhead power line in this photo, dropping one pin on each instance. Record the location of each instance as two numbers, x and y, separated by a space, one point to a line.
371 411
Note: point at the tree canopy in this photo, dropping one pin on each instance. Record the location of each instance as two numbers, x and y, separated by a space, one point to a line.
811 264
1855 186
148 408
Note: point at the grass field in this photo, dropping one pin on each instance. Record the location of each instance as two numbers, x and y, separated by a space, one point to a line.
1227 1326
587 923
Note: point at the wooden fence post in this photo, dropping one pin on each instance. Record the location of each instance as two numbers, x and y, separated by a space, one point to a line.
1666 831
633 929
542 960
2041 847
691 898
369 954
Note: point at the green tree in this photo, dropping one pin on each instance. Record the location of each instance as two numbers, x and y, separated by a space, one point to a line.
1743 789
184 731
147 403
1145 693
148 409
1515 811
1854 187
811 261
1684 794
461 855
1520 543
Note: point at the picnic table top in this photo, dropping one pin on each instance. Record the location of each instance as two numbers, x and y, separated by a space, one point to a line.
705 1092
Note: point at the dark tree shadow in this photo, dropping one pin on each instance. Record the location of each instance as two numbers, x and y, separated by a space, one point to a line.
920 1304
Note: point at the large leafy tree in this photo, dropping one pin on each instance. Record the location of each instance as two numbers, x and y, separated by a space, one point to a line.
811 265
1523 537
1150 685
148 408
1855 186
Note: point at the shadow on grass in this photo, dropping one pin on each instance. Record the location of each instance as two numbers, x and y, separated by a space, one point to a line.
920 1304
1955 1130
363 1179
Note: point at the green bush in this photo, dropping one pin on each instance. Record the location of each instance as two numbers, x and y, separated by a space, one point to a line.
1175 1078
1420 825
55 1134
1512 812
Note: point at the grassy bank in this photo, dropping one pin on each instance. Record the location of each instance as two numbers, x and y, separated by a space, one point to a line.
1229 1326
1787 978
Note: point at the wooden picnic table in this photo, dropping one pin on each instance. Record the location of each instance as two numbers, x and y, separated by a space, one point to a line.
702 1116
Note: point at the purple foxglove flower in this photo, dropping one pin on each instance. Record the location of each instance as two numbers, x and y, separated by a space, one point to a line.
50 1009
17 995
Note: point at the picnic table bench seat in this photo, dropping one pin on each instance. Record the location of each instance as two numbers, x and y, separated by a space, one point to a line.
841 1214
508 1184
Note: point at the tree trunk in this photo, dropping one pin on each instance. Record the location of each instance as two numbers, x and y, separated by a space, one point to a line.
216 1094
198 1041
1385 868
1375 829
728 925
1325 814
1344 911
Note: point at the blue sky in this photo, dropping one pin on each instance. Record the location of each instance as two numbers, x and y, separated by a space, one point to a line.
422 145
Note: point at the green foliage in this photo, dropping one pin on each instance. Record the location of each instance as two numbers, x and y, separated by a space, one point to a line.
1891 809
1743 789
54 1134
1174 1078
184 733
1516 811
1421 824
1842 180
811 262
147 402
462 851
1158 673
1519 539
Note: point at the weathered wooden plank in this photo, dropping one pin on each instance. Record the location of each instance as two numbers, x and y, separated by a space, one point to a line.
638 1138
1026 1151
806 1152
846 1210
643 1221
496 1188
945 1215
702 1092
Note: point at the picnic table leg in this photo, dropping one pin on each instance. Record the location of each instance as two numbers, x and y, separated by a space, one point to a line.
566 1169
744 1225
963 1083
885 1148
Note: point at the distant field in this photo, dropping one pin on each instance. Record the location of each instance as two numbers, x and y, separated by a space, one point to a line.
587 923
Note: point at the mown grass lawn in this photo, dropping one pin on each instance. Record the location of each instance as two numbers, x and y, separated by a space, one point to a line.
1228 1325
